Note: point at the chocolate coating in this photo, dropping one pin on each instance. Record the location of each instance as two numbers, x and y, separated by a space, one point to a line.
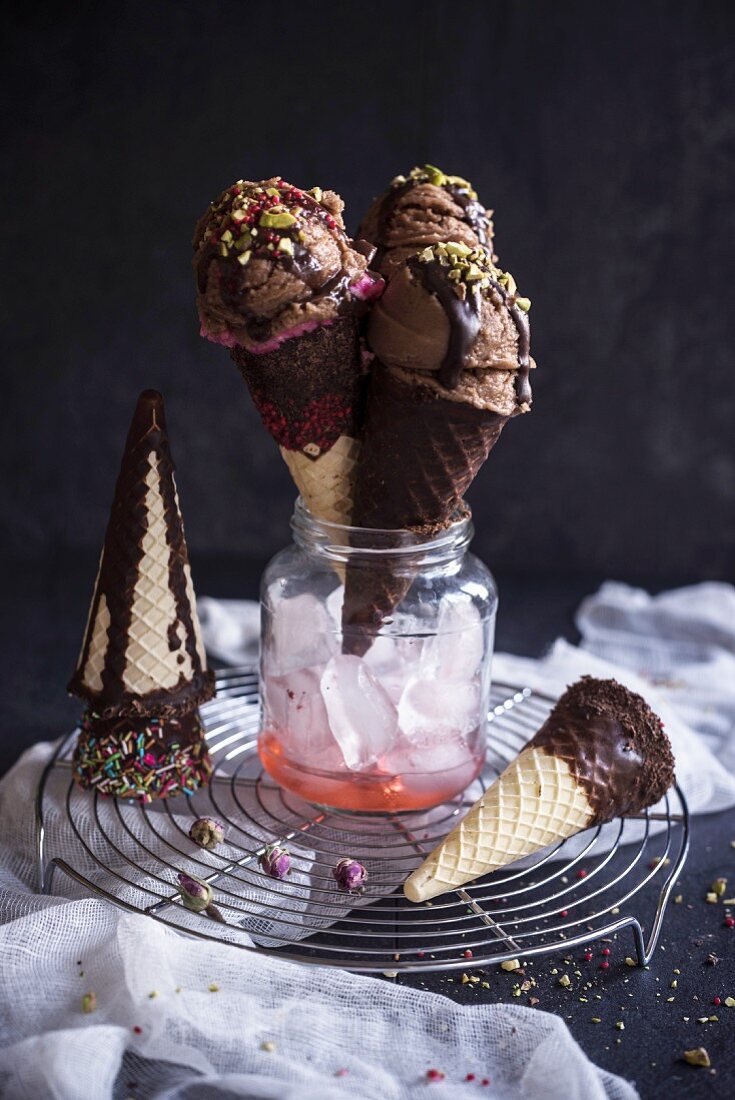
614 744
120 571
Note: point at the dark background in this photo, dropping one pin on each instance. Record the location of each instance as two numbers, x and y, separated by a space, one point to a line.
604 137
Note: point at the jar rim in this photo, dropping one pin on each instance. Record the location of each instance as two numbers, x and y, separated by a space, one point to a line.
344 540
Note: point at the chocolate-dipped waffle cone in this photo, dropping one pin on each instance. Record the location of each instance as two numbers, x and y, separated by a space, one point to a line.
142 669
420 454
309 393
601 753
453 350
142 651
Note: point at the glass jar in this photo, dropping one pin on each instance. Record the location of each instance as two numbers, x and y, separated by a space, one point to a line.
376 649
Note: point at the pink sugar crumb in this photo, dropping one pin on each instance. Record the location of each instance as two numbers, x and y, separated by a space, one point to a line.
367 286
226 339
287 334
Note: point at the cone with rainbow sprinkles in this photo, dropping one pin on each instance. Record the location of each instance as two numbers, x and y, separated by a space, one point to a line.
280 283
142 669
602 753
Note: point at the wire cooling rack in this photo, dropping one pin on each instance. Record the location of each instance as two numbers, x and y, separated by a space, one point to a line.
604 881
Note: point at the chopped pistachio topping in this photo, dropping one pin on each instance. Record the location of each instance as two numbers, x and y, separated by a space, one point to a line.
429 173
276 220
697 1057
472 267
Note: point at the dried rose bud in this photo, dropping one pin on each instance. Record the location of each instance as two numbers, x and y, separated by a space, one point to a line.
275 861
195 894
350 875
207 832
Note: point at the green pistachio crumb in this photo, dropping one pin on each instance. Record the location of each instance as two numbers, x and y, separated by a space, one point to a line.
697 1057
279 220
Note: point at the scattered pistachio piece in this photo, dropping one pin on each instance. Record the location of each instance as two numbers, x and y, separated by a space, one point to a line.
730 1002
213 987
279 220
719 886
697 1057
629 961
711 897
620 1025
268 1046
565 980
89 1003
511 964
524 304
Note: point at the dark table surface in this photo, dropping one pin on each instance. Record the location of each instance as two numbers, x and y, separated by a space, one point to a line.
46 603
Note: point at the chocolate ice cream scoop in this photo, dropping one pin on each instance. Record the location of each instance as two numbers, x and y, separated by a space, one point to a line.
273 262
423 208
451 314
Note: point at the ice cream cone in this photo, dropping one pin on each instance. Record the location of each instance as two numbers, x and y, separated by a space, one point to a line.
142 652
601 753
453 351
280 283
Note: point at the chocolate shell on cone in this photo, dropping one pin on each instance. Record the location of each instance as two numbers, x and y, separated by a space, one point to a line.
142 669
421 452
602 753
310 393
142 652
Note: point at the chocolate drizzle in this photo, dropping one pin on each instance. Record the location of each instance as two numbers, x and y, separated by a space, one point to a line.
463 315
614 744
464 319
122 557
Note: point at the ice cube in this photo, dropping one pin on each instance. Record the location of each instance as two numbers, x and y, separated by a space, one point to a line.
293 706
456 651
436 709
301 635
361 715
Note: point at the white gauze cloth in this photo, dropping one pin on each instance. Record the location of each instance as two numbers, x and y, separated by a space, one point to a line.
202 1034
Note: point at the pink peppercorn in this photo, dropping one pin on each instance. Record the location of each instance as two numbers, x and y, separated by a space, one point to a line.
605 951
581 873
564 913
716 1001
467 954
435 1075
470 1077
729 922
485 1081
604 965
588 956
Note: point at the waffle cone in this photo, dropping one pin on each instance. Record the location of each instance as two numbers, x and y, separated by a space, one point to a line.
309 393
420 453
327 483
142 651
534 803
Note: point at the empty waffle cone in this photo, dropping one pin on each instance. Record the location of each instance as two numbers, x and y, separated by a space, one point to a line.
535 802
600 754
